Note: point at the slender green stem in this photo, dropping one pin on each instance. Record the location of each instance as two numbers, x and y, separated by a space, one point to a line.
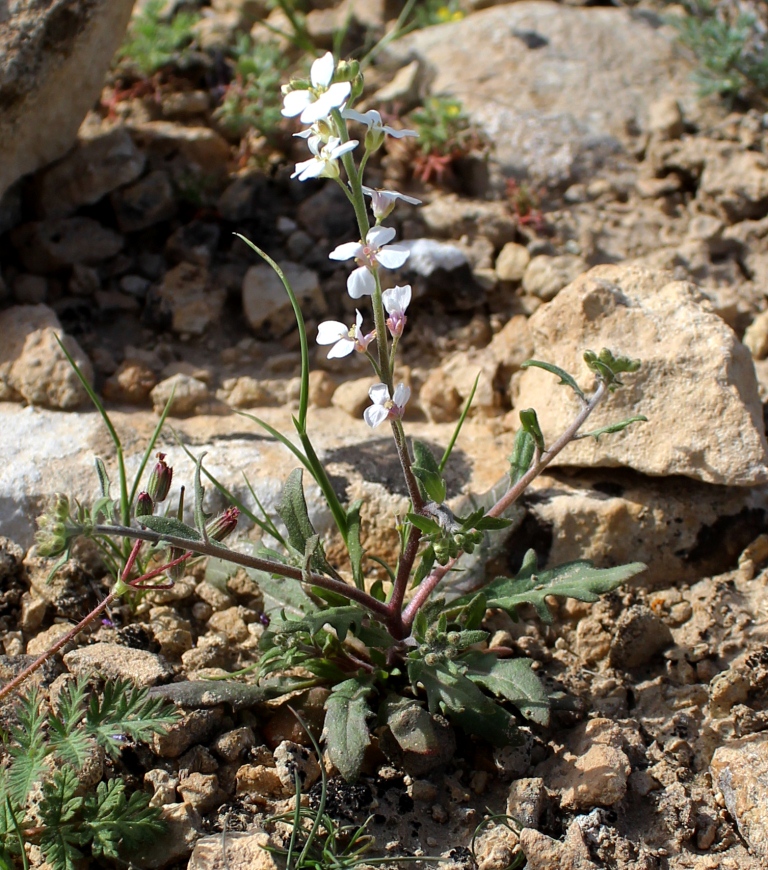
405 461
382 335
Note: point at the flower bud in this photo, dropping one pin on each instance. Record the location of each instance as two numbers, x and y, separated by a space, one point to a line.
144 505
374 139
431 659
160 480
52 535
223 525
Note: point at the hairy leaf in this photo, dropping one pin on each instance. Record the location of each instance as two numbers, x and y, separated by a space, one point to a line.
614 427
354 547
411 725
346 732
170 526
512 679
522 455
565 379
530 422
28 750
344 620
579 580
427 471
59 809
451 693
293 512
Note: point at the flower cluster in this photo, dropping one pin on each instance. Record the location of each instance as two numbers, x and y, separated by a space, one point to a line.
325 104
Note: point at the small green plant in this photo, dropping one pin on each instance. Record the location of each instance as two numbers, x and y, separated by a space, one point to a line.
397 644
153 42
446 134
730 41
252 100
43 800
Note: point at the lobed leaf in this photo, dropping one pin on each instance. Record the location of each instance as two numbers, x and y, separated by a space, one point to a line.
565 379
513 679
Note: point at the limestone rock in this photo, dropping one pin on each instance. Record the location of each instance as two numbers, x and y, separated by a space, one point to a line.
512 262
132 383
546 276
186 294
112 661
55 54
639 635
554 88
756 336
544 853
265 301
452 217
145 203
694 370
236 851
95 167
187 392
740 770
198 147
32 365
735 182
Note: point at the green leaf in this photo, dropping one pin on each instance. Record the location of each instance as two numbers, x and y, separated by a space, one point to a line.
293 512
199 513
126 710
579 580
346 732
426 563
530 422
28 749
344 620
59 809
170 526
424 524
101 471
565 379
354 547
512 679
118 825
522 455
412 726
492 524
459 424
607 366
70 743
427 470
613 427
451 693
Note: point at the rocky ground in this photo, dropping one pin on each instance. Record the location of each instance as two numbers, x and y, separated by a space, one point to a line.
609 206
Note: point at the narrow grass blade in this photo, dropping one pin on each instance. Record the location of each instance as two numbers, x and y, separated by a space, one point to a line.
452 442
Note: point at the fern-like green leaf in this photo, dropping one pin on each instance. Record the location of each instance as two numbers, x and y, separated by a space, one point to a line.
28 749
125 709
118 824
59 810
68 742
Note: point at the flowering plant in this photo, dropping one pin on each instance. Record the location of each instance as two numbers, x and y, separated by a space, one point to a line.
396 651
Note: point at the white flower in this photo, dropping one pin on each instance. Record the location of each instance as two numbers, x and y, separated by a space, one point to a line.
372 120
317 101
374 251
396 301
344 338
383 201
384 408
323 164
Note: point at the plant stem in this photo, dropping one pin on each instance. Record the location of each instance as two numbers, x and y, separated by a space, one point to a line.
271 567
427 586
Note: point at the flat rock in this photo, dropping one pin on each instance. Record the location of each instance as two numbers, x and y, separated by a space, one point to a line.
265 301
112 661
46 246
55 54
694 370
554 87
740 771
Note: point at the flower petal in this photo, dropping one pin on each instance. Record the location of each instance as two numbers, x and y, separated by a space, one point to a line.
341 348
379 394
374 415
346 251
379 236
399 134
322 106
343 148
295 102
322 71
330 331
393 256
396 299
401 396
302 167
314 169
361 283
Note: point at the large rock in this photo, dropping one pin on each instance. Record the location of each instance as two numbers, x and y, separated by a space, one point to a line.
33 367
55 54
697 384
555 88
740 771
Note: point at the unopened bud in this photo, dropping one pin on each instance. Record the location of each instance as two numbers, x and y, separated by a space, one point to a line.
160 480
52 527
144 505
223 525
